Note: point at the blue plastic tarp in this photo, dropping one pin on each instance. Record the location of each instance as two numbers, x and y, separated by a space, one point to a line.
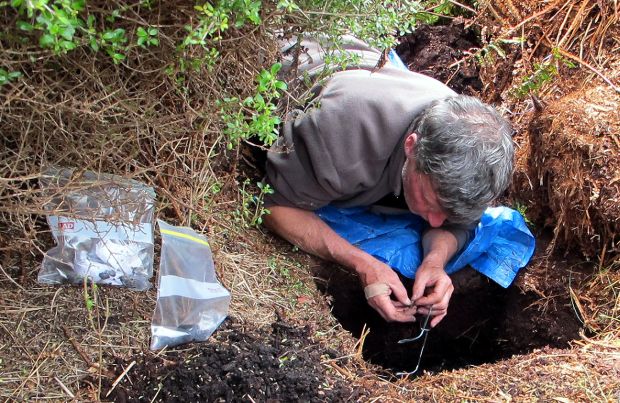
501 244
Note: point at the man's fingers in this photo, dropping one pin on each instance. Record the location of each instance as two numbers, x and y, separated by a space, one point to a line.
423 310
419 285
440 307
437 319
441 293
400 293
400 305
386 308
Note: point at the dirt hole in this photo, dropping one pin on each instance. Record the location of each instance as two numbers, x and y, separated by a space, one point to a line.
485 323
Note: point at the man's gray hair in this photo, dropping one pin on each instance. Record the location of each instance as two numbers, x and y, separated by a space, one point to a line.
466 148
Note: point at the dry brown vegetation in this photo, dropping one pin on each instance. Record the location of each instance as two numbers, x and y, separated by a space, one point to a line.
81 110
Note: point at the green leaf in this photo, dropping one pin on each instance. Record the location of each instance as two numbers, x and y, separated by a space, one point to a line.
259 100
141 32
16 3
62 16
78 5
67 32
153 31
275 68
67 45
24 26
46 40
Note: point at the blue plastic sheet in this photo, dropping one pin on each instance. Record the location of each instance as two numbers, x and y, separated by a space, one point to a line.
393 57
502 244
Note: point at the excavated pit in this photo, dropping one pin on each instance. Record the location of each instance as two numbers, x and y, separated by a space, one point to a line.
485 322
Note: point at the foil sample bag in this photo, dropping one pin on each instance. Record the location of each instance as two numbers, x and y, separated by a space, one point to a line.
103 228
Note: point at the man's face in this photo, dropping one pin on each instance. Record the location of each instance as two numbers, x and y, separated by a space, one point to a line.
419 194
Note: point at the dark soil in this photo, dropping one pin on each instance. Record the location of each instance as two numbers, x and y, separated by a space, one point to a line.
435 51
234 366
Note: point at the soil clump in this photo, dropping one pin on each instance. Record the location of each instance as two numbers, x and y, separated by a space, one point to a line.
573 171
433 50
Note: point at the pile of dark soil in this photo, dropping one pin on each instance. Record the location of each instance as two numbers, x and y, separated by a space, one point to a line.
235 366
434 50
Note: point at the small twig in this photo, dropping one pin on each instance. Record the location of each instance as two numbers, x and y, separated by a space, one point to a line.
456 3
76 346
359 346
11 279
531 17
120 378
588 65
64 388
159 388
21 178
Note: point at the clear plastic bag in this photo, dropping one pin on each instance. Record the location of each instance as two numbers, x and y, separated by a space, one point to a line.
191 303
103 228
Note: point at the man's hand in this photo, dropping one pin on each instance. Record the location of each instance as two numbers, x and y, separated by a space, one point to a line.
432 276
307 231
432 286
373 271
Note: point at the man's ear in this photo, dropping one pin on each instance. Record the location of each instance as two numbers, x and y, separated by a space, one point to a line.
410 143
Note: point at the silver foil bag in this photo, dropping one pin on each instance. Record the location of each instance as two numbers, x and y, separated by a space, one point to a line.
103 228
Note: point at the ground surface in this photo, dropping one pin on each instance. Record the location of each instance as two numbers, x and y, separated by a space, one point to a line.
486 323
433 51
282 341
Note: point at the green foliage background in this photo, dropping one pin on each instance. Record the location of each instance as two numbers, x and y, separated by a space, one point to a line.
165 92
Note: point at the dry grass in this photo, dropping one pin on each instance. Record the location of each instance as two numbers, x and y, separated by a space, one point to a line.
81 110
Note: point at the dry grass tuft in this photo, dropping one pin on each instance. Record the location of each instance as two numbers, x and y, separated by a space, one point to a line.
80 110
567 156
598 304
581 27
571 165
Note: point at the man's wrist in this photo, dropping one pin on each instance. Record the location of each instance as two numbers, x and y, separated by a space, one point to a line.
437 257
363 267
439 245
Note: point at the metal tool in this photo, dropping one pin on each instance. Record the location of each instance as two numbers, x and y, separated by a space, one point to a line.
423 335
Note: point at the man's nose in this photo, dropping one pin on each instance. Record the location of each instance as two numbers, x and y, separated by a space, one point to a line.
436 219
